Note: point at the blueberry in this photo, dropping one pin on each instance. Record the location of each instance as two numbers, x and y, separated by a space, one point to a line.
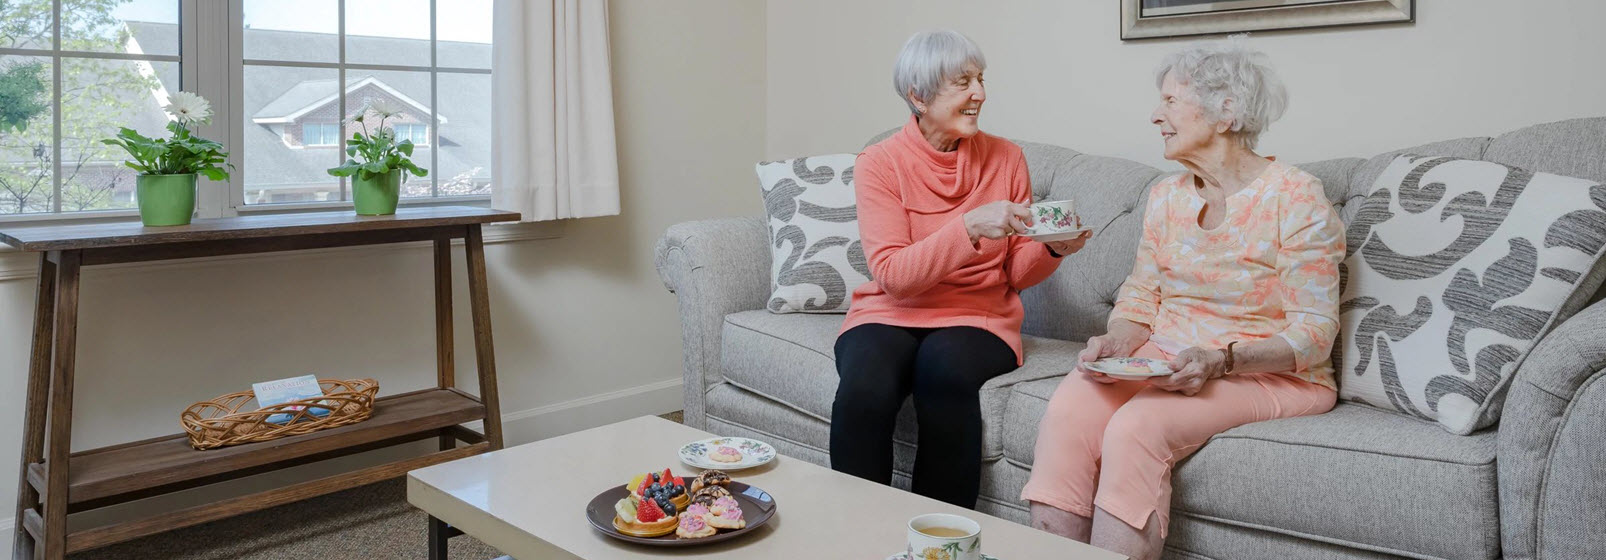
655 477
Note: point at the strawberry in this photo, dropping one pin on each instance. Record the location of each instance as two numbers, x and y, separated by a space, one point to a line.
648 512
646 480
667 476
679 482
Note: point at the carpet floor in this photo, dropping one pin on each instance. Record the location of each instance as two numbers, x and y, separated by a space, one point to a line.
372 522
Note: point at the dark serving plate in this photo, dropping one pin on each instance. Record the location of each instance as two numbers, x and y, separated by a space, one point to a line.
757 508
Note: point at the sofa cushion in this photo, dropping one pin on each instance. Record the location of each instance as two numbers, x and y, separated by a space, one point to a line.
1338 476
1355 475
791 360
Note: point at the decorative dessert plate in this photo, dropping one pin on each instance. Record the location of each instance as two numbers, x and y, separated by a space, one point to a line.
727 453
757 509
1131 369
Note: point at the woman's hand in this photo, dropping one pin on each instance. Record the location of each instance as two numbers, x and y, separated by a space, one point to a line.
1111 345
1193 368
997 220
1069 247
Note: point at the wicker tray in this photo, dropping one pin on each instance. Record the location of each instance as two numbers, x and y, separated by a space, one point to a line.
220 422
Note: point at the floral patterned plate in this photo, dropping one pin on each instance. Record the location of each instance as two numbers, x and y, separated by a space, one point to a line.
905 556
751 453
1131 369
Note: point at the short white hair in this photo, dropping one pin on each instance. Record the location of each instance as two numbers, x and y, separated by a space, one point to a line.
1231 82
929 59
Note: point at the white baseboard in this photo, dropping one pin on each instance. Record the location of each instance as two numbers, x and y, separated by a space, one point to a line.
566 417
552 420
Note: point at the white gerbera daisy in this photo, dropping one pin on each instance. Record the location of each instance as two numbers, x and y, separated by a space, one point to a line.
188 108
383 107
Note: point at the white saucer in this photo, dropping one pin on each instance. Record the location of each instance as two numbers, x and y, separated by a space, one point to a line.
1056 235
1118 368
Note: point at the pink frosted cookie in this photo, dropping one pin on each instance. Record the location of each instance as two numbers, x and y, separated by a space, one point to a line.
726 514
725 454
693 526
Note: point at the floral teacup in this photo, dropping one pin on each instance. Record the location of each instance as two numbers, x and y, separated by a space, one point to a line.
941 536
1054 217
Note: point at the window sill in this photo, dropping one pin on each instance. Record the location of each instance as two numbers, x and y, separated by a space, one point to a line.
18 265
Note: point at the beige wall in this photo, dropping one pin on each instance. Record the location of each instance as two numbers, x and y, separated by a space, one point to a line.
585 333
1059 73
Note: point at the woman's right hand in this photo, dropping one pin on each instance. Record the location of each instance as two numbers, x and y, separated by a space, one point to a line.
1118 343
997 220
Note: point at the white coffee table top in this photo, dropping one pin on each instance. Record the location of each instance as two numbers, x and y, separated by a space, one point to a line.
529 501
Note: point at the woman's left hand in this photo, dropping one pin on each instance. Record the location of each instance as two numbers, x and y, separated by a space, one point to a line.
1193 368
1069 247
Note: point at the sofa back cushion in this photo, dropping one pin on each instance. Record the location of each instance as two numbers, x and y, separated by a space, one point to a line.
817 259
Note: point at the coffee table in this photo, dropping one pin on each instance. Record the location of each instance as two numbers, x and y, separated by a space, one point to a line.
529 501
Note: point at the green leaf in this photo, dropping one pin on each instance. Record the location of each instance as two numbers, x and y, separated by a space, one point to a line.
406 147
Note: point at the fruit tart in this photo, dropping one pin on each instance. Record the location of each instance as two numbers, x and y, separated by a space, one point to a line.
644 520
664 488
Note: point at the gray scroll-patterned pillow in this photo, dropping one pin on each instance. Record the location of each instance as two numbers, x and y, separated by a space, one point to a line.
1455 269
814 231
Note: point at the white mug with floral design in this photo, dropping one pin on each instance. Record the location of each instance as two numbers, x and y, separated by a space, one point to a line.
942 536
1054 217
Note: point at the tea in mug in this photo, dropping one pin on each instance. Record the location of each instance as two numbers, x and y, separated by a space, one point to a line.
944 532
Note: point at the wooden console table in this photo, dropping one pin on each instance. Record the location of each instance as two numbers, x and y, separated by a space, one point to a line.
54 482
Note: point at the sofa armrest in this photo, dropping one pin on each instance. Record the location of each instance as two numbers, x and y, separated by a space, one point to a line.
715 267
1552 455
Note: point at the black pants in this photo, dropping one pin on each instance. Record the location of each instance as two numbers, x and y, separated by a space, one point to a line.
880 366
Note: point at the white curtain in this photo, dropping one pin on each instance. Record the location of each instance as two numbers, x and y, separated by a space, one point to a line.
552 97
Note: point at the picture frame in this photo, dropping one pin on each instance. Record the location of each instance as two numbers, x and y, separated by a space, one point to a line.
1153 19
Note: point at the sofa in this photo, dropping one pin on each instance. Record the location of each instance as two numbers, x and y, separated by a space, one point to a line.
1356 482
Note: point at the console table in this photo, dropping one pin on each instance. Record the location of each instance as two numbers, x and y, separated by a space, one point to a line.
53 482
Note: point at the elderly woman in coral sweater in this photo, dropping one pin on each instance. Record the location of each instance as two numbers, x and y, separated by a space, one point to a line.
939 205
1235 284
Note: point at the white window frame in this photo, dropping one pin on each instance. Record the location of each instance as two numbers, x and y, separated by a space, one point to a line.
211 64
322 128
234 26
426 141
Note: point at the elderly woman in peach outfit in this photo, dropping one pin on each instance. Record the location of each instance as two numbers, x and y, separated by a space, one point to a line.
1235 285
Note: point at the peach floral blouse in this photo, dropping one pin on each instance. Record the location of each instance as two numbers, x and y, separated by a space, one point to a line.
1270 269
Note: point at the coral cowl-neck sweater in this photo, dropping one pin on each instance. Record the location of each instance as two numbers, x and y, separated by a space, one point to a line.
926 273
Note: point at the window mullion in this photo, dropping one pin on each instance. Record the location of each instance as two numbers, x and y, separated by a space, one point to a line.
340 86
434 102
56 107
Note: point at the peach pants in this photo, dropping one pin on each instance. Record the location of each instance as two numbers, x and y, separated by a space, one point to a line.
1114 445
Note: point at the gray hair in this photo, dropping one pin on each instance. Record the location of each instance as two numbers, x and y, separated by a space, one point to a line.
928 59
1217 72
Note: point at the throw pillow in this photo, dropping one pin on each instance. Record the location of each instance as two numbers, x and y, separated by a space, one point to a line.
1454 271
814 233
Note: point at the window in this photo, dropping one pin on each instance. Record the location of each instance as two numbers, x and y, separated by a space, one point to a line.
283 78
418 133
71 73
306 66
320 134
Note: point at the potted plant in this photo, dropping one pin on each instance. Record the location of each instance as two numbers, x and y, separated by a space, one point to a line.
376 180
165 187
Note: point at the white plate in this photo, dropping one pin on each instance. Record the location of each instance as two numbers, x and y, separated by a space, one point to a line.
1057 235
1122 368
754 453
905 556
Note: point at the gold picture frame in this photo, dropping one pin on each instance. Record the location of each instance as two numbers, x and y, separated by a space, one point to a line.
1153 19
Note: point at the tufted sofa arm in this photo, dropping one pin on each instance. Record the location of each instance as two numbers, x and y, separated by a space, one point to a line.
1552 442
715 268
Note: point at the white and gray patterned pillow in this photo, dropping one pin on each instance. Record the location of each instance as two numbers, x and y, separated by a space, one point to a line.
1455 269
814 232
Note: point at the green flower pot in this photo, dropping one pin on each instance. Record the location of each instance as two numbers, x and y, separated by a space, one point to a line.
165 200
377 194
